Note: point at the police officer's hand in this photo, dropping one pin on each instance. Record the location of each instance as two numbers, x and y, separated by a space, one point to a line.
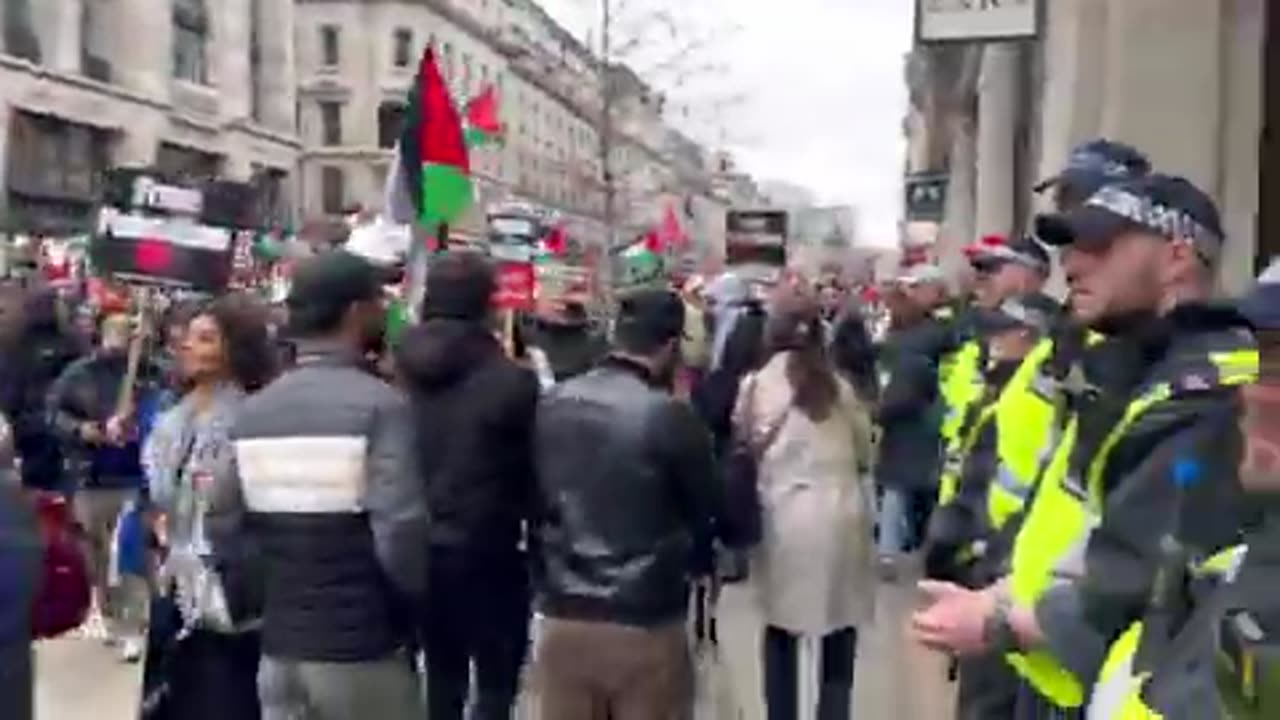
953 619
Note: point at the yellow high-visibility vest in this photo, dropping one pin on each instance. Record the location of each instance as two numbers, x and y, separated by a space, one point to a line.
1051 543
1118 693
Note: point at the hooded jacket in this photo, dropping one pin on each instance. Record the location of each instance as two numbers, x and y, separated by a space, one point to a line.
473 414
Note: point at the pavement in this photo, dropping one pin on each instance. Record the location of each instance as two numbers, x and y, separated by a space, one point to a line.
80 679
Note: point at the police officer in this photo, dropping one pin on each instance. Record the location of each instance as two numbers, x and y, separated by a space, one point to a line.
988 492
1165 666
1140 258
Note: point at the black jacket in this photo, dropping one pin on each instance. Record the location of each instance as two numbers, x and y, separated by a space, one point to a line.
473 421
1197 423
911 410
630 498
26 374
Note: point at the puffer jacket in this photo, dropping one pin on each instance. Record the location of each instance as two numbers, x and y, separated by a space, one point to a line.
323 488
473 425
630 498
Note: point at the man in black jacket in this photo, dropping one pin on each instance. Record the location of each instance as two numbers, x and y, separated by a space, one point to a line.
20 553
629 490
473 415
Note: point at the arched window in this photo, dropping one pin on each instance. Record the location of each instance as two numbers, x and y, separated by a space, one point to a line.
190 38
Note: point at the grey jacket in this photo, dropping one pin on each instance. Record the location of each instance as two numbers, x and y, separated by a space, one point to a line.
322 485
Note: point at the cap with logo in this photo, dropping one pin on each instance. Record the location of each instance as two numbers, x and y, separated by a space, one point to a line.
994 251
1164 205
1095 163
1034 311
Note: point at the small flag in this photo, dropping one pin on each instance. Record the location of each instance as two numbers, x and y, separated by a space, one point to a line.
434 169
484 125
671 234
654 242
556 241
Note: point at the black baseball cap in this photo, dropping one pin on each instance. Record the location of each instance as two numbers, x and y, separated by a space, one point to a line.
651 316
1164 205
1024 251
336 278
1095 163
1034 311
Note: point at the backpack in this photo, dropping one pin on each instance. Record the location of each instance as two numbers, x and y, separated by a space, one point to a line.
62 602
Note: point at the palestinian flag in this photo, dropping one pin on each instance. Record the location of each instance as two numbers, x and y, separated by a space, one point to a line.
434 170
641 264
484 125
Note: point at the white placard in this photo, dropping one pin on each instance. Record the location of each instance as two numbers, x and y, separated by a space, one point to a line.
976 19
179 231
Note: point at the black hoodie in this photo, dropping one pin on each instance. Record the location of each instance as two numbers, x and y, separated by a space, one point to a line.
474 416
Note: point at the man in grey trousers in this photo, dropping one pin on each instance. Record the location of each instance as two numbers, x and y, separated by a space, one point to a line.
323 488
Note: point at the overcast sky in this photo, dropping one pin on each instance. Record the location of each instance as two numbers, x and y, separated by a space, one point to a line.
814 89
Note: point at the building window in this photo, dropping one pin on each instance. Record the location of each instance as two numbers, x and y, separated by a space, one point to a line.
93 41
332 190
190 37
330 52
390 123
187 164
272 200
20 39
403 47
330 122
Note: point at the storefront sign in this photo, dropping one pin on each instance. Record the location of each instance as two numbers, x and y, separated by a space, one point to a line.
925 196
967 20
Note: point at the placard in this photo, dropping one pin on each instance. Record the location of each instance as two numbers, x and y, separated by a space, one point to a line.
968 20
756 237
175 252
516 282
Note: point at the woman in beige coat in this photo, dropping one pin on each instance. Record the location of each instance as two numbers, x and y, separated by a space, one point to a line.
814 569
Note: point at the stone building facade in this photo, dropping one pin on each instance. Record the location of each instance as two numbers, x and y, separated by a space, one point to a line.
1190 82
200 88
356 61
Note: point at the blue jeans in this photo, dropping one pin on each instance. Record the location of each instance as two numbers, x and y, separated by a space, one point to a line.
895 522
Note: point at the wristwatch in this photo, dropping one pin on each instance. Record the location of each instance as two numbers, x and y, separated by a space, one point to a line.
997 630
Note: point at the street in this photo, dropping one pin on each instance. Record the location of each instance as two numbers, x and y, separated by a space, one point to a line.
80 679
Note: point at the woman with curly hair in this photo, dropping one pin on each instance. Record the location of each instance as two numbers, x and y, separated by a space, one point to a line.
203 646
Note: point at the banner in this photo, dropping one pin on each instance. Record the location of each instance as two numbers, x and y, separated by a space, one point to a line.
175 252
756 237
516 283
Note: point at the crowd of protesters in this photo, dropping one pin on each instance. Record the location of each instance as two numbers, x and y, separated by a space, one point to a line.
297 519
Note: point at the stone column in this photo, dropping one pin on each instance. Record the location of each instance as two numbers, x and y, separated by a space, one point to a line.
276 34
142 58
1074 47
1164 83
998 107
1241 127
958 224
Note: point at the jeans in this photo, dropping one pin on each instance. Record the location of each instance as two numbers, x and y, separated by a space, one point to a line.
385 689
478 615
895 524
782 670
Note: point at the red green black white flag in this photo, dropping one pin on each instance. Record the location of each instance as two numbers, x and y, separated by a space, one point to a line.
434 171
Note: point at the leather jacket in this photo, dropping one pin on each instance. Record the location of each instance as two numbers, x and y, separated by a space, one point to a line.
630 496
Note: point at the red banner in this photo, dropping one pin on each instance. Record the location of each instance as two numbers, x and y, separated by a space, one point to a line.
516 282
